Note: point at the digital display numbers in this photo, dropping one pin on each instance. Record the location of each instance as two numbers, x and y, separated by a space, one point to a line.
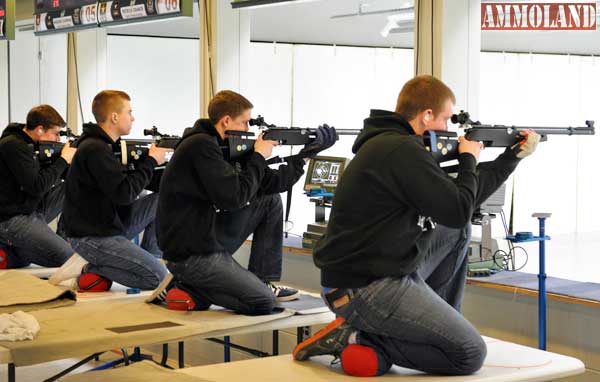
55 15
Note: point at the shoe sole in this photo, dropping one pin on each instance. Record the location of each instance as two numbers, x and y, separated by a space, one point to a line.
291 297
161 287
59 276
320 334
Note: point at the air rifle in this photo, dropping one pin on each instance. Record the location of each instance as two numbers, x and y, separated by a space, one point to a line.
49 151
132 150
443 145
241 142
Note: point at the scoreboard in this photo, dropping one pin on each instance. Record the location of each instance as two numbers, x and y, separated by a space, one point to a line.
7 19
66 15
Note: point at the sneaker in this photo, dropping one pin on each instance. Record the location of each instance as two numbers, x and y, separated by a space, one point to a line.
330 340
159 294
283 294
72 268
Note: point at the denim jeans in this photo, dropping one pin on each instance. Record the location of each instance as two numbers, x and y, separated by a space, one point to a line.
414 321
219 279
118 259
263 218
28 239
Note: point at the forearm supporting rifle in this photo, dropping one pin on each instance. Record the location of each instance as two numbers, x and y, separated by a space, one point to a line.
443 145
242 142
132 150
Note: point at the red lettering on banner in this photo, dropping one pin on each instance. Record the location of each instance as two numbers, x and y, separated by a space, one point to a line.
538 16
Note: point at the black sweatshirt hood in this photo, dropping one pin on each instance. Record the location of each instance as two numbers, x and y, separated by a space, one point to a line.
202 126
15 128
379 122
92 130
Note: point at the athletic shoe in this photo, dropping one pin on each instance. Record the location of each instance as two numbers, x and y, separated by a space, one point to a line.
330 340
159 294
283 294
72 268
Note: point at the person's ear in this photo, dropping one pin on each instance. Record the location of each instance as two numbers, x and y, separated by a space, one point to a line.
428 116
226 121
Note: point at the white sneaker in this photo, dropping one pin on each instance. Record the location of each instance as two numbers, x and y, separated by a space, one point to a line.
70 269
160 294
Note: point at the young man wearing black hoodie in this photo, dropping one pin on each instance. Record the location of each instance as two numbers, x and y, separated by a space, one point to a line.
210 204
32 195
393 261
103 211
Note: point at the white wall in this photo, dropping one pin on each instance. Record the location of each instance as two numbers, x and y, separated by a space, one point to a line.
516 90
38 73
161 76
309 85
3 84
24 74
91 68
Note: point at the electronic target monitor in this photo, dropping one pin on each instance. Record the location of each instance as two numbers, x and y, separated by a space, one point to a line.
324 172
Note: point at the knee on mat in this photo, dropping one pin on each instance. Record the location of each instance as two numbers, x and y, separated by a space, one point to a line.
364 361
260 306
471 357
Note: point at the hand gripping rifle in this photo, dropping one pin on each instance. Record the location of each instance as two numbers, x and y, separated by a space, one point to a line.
241 142
49 151
133 150
443 145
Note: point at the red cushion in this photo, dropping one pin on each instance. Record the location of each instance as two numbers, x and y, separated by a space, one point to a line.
92 282
178 299
363 361
3 259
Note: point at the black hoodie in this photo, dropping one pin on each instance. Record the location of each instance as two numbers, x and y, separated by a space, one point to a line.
199 182
386 198
24 182
99 189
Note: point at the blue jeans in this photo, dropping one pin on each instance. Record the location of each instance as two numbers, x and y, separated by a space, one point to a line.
219 279
120 260
263 218
414 321
28 239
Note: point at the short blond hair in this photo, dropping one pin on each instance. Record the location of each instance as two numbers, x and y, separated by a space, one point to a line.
227 102
422 93
106 102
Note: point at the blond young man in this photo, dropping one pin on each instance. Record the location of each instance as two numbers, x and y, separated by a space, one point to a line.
393 261
210 204
103 210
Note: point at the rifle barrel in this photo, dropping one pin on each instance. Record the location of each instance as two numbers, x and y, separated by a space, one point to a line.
348 131
562 130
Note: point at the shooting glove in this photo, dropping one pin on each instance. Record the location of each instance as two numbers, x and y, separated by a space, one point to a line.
526 146
326 137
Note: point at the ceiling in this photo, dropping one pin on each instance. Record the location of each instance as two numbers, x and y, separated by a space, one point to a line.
311 22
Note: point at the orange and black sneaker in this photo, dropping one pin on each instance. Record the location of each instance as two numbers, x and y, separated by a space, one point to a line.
330 340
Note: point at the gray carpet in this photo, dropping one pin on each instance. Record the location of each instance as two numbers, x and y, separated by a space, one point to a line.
306 304
570 288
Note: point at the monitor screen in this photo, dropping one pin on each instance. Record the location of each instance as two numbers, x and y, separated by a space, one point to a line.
324 172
